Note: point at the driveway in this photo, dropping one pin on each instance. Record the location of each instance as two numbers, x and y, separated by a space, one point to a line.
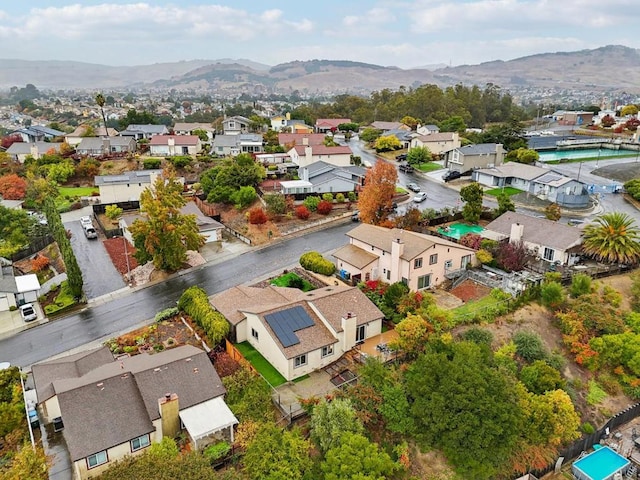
99 275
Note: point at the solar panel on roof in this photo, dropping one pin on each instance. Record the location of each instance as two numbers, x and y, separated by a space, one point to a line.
286 322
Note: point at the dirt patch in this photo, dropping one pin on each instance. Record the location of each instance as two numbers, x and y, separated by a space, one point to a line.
621 283
470 290
430 465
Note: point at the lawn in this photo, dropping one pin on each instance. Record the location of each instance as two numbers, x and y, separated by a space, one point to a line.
294 281
76 191
428 167
508 190
474 306
260 364
400 190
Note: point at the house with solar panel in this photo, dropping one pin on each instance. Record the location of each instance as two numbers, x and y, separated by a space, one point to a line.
299 332
544 183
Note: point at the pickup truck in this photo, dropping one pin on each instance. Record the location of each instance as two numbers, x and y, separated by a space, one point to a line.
406 168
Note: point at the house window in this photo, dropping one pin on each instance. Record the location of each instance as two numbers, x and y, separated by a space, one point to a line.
448 264
433 259
548 254
140 442
424 281
327 351
300 360
417 263
254 333
360 333
97 459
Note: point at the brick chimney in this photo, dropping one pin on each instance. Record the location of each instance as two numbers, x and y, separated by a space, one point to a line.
349 323
169 407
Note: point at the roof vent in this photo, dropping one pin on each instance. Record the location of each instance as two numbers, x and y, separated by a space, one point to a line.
188 359
100 385
195 370
156 370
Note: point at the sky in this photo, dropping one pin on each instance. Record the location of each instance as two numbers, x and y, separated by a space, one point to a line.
402 33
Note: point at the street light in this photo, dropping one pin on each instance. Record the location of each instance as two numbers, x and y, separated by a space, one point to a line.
126 256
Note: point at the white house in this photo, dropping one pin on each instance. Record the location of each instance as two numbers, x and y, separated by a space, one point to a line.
126 186
299 332
19 151
418 260
236 125
471 157
305 155
187 128
174 145
437 143
144 132
550 241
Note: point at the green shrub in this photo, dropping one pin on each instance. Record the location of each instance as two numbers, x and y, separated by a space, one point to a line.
351 196
312 203
327 197
340 198
580 285
481 336
596 394
112 212
151 163
217 451
529 346
181 161
166 314
588 428
315 262
195 303
552 294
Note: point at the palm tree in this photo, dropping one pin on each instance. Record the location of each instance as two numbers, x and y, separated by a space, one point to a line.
100 101
613 237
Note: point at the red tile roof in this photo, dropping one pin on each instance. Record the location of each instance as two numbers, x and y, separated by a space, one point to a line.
331 122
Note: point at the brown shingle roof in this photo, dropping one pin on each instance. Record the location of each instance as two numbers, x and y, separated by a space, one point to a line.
351 300
414 243
355 256
179 139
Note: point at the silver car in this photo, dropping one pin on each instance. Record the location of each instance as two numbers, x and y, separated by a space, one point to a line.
28 312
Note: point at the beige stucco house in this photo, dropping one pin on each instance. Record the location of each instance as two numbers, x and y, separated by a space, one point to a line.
437 143
418 260
305 155
299 332
109 408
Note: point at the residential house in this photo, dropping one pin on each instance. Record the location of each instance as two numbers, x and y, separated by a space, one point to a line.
37 133
437 143
250 143
326 125
322 177
298 126
236 125
126 186
393 255
225 145
144 132
19 151
299 332
577 118
74 138
387 126
95 146
541 182
184 128
427 129
279 122
551 241
15 291
471 157
110 408
174 145
305 155
290 140
403 136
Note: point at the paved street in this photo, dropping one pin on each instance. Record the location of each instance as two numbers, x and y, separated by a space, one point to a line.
104 320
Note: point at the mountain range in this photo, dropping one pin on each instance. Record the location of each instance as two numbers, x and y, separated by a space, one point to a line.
609 68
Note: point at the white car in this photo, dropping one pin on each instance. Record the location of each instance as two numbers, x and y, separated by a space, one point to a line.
86 222
420 197
28 312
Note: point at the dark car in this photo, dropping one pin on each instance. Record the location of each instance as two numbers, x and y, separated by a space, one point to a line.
451 175
401 157
355 216
406 168
413 187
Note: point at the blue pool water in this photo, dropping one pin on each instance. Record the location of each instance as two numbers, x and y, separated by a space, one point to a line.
587 153
599 465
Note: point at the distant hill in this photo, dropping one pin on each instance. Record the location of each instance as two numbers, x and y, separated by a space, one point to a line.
612 67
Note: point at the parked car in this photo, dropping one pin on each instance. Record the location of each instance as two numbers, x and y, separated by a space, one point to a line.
28 312
406 168
355 216
413 187
420 197
451 175
401 157
90 232
86 222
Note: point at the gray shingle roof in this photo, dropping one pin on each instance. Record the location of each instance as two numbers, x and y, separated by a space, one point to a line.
479 149
225 141
514 170
136 176
539 231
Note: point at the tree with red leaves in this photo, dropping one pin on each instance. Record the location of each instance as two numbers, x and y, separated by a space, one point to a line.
302 212
9 140
471 240
632 124
257 216
511 256
376 199
324 208
12 187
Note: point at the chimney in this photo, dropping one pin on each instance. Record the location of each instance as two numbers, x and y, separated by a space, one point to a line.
305 141
349 323
517 232
308 157
169 415
287 116
397 249
33 151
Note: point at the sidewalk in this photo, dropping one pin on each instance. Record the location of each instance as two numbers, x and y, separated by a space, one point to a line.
12 323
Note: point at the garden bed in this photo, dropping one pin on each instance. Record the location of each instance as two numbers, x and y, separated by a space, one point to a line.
154 338
116 249
300 272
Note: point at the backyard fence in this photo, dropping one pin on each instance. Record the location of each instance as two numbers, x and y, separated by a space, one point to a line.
206 208
234 353
35 246
585 443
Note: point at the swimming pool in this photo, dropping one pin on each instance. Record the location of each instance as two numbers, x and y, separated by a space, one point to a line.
601 464
457 230
586 153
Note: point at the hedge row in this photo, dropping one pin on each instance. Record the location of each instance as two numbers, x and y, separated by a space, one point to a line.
315 262
195 303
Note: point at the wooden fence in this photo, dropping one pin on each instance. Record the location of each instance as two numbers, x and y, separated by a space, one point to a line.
206 208
234 353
